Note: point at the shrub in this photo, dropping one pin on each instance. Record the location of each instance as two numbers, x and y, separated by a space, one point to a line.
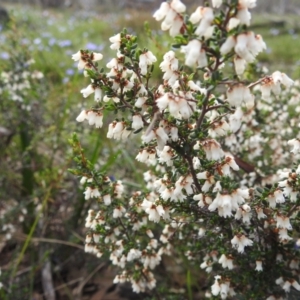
219 136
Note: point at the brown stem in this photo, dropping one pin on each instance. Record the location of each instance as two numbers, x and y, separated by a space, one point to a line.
256 82
293 209
200 120
193 172
218 106
125 231
156 117
136 71
219 118
90 62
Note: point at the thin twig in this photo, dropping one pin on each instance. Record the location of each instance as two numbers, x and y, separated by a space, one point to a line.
125 231
77 292
219 106
78 236
69 283
256 82
155 118
293 209
193 172
200 120
53 241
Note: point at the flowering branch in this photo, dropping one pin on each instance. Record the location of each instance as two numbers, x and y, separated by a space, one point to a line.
196 141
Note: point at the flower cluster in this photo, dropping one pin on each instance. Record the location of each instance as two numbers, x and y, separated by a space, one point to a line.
221 188
18 82
170 13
